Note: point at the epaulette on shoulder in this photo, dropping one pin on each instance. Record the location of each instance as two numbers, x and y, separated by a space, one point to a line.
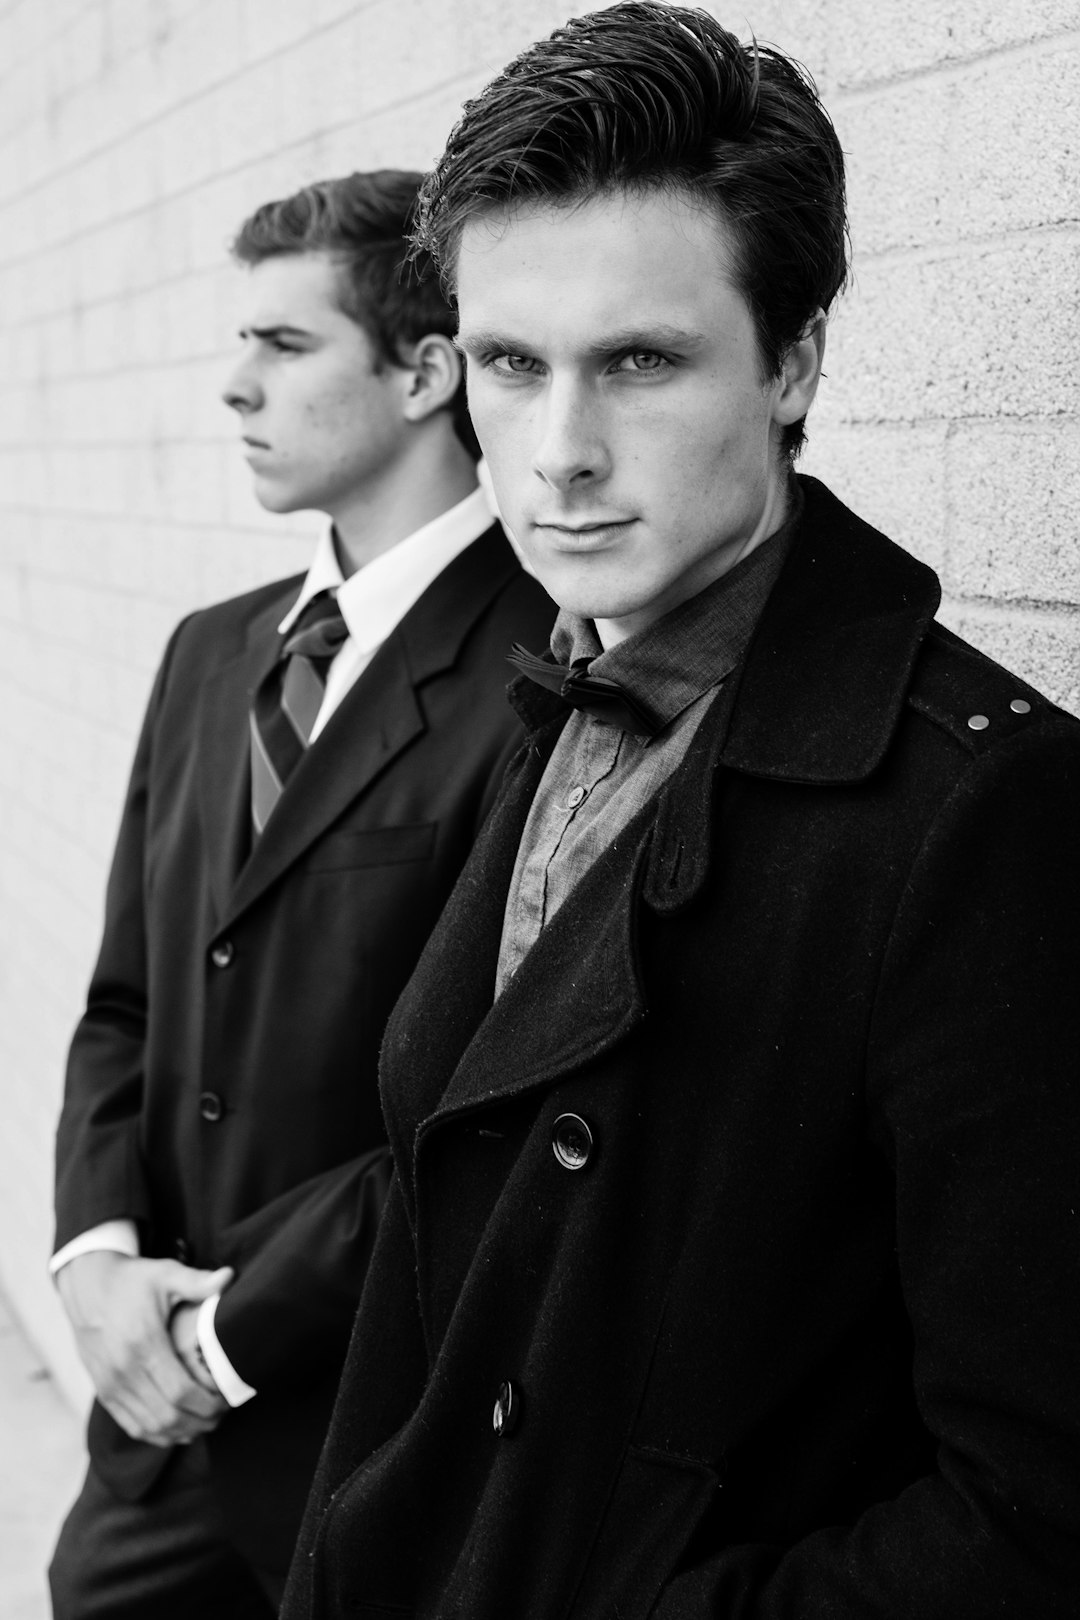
967 694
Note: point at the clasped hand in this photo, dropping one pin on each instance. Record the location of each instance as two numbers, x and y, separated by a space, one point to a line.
134 1323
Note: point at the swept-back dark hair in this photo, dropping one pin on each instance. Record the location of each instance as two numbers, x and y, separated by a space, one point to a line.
651 95
364 223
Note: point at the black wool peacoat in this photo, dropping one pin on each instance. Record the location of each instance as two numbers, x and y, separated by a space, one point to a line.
731 1263
222 1084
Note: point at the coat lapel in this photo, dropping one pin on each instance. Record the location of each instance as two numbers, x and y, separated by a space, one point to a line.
584 965
817 701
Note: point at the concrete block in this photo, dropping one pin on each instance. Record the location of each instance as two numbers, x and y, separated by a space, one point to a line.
270 26
188 145
976 152
320 76
973 333
1014 503
1043 649
247 113
135 172
874 40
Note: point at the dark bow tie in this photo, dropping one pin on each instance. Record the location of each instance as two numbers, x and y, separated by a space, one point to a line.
597 695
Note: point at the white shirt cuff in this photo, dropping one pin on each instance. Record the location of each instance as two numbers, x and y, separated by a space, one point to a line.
222 1371
118 1237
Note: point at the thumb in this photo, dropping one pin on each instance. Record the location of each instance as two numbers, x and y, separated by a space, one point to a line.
187 1283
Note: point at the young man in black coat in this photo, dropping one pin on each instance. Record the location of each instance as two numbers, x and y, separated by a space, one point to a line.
317 758
730 1267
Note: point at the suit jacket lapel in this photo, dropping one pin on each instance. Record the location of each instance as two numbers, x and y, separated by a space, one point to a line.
377 719
222 750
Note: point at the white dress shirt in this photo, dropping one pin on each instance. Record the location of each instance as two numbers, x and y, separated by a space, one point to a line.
373 601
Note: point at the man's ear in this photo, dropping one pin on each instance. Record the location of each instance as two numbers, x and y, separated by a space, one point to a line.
797 384
433 368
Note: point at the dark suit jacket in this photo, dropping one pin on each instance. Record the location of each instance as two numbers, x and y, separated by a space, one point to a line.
221 1088
802 1337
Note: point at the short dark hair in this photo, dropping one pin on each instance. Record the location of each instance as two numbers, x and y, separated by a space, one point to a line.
651 95
364 223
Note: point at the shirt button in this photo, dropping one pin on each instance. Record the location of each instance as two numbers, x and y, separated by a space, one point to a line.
211 1107
223 953
1020 706
572 1141
978 722
576 796
506 1411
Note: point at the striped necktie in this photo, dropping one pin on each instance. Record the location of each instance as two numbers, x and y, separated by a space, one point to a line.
288 701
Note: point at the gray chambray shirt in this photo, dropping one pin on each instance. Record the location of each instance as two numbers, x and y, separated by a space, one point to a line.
600 776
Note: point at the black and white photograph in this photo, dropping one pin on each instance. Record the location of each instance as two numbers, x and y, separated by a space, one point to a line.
539 810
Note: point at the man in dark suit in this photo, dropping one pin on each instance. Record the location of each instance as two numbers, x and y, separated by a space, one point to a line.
316 760
730 1266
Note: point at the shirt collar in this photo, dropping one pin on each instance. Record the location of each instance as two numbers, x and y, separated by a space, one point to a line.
681 655
376 597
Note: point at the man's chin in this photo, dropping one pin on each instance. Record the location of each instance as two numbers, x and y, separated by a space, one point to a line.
274 499
576 585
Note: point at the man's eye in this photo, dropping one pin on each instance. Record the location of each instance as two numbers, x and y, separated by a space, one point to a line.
642 360
517 365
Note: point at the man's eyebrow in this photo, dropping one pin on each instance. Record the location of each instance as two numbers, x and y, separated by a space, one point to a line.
652 336
266 333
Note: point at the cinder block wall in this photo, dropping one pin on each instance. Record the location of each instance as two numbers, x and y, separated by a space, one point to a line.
135 134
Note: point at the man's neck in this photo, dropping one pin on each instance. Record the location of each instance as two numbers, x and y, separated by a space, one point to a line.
419 490
774 513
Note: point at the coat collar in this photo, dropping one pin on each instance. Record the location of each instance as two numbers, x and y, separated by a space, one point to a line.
819 696
375 722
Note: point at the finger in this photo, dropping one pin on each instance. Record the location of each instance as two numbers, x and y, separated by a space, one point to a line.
135 1418
150 1383
180 1283
176 1386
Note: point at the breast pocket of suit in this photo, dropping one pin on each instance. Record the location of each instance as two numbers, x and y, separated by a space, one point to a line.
349 849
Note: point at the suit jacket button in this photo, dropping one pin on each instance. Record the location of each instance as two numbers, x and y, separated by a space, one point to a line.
211 1106
506 1411
223 953
182 1251
572 1141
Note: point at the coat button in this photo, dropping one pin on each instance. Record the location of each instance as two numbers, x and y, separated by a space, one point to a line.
222 954
211 1106
506 1411
978 722
1020 706
572 1141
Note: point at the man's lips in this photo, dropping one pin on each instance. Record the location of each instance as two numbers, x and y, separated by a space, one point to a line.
255 449
582 525
583 533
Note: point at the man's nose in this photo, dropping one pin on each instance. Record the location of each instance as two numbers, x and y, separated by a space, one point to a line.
242 390
572 449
